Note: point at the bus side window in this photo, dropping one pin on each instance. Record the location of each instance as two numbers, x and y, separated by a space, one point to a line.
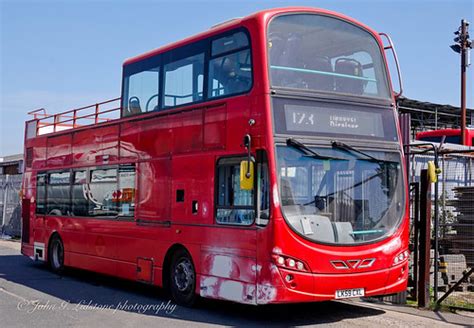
184 81
80 202
230 69
234 205
141 92
103 192
41 193
57 193
126 190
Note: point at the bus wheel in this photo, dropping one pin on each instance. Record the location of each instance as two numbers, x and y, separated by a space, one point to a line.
183 278
56 255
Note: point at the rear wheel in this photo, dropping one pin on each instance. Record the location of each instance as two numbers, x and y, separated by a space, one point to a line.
56 255
183 278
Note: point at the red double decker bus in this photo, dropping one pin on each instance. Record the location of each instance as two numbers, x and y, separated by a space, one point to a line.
257 162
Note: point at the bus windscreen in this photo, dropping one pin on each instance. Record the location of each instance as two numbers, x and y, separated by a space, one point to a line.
326 54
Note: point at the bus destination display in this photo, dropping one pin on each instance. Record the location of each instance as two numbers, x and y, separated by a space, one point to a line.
333 121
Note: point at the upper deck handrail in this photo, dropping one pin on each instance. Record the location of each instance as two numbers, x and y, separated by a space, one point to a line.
45 123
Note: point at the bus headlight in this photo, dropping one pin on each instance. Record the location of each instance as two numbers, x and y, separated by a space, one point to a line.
289 263
401 257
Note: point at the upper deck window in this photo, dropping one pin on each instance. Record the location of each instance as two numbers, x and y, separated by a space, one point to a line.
229 43
322 53
230 66
216 67
184 81
141 92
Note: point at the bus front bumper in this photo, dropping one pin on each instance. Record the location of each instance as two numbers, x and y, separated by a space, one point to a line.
311 287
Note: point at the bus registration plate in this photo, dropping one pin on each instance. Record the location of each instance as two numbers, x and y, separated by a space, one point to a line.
348 293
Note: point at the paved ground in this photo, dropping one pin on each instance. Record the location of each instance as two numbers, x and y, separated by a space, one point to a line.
31 296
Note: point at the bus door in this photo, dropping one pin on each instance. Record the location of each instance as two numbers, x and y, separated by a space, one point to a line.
229 266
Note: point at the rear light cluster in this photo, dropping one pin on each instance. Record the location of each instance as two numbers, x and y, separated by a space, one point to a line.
401 257
289 263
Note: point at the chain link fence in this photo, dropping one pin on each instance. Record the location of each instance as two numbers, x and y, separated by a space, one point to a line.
10 205
455 205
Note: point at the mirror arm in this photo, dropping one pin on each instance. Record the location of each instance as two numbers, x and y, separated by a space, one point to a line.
392 47
248 145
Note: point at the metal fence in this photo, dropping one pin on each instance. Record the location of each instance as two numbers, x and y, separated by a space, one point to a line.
10 206
452 239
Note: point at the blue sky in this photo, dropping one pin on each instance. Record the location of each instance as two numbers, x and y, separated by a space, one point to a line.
65 54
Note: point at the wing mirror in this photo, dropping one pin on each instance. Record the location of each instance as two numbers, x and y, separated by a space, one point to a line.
247 167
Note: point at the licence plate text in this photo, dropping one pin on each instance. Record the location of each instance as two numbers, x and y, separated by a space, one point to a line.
348 293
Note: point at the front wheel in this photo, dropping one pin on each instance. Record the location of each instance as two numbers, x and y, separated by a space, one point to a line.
183 278
56 255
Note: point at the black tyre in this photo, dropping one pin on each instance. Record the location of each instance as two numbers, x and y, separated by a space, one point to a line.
56 255
183 278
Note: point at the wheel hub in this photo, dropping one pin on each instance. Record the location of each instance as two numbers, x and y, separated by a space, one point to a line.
184 275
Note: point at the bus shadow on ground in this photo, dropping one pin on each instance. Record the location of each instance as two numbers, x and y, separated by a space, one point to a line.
90 291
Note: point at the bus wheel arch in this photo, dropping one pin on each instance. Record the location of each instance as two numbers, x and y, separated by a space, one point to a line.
178 258
56 253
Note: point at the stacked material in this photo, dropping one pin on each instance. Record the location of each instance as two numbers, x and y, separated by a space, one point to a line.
463 243
442 281
453 268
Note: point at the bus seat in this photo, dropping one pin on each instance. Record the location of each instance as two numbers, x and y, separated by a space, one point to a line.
134 106
352 67
318 81
344 232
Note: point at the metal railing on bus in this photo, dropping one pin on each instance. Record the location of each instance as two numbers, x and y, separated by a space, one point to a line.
42 123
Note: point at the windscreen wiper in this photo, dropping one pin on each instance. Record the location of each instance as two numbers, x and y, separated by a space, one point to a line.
291 142
350 149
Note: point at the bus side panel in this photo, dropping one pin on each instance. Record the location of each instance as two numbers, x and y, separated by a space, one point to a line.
192 189
96 146
129 141
152 140
141 241
39 152
108 147
28 206
238 115
187 132
215 126
88 243
228 264
154 190
85 146
148 242
59 151
100 239
91 263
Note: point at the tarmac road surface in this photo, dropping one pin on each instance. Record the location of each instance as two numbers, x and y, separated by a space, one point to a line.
32 296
